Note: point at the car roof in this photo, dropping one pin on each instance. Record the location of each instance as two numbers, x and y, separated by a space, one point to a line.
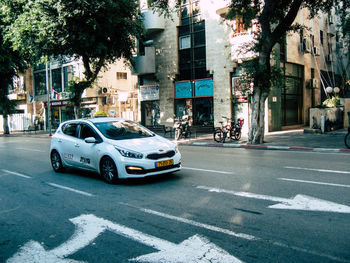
103 119
95 120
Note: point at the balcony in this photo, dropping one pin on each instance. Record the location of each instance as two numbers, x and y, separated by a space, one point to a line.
145 64
152 21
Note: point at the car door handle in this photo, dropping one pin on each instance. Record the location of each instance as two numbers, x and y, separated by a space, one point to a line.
77 145
59 140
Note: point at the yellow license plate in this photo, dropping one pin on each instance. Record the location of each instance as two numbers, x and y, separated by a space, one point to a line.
164 163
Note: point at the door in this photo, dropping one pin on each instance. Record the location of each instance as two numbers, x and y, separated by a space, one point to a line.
291 101
67 143
87 153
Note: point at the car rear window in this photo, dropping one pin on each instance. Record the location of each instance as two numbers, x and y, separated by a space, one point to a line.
121 130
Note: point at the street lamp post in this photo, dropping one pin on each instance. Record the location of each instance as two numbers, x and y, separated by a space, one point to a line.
48 98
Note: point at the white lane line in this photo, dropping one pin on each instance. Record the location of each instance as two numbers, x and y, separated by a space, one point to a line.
71 189
317 170
15 173
239 235
197 224
313 182
29 149
205 170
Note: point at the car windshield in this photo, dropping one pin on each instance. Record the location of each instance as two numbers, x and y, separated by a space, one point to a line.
121 130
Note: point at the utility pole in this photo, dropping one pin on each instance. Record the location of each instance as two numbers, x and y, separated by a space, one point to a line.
48 86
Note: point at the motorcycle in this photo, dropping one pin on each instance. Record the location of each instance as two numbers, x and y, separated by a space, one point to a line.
182 127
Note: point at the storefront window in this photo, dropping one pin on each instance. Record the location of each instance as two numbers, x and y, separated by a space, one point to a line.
204 111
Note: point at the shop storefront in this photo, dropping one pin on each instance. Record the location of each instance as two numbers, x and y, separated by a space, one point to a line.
150 110
60 112
195 98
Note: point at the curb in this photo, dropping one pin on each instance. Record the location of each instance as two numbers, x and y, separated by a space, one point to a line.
265 147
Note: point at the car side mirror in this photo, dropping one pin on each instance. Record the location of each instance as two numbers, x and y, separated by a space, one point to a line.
90 140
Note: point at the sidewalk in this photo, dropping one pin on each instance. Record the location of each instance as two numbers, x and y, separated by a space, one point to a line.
296 140
283 140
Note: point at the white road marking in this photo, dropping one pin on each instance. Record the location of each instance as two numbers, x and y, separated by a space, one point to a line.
71 189
299 202
201 225
206 170
313 182
15 173
318 170
30 149
240 235
89 227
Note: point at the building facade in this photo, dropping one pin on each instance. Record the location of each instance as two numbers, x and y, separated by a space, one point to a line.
190 64
115 92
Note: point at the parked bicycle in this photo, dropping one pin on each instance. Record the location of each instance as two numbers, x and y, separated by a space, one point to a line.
228 130
347 138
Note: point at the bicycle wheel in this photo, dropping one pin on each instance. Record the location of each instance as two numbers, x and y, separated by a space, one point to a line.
347 140
238 135
218 135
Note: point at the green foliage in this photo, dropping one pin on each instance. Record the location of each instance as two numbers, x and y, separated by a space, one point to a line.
86 28
97 31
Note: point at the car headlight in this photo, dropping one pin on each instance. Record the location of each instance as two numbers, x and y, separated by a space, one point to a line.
129 154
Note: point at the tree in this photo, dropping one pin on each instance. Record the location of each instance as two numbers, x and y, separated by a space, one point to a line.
11 62
274 19
96 31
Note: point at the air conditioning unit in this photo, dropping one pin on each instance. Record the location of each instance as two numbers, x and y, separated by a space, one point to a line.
65 95
305 46
314 83
316 51
105 90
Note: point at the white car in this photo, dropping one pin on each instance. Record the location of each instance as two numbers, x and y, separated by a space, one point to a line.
113 147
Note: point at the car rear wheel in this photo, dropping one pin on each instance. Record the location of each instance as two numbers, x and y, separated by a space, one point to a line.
108 170
56 162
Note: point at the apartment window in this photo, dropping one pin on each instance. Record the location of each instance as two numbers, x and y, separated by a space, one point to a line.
122 75
40 83
185 42
192 42
321 37
57 79
68 73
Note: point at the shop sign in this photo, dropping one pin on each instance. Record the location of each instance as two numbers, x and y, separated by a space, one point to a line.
57 103
204 88
149 92
183 89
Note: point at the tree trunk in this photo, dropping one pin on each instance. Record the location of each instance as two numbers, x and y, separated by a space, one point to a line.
6 124
257 128
260 94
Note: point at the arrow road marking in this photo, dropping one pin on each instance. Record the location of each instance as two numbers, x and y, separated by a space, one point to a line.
89 227
299 202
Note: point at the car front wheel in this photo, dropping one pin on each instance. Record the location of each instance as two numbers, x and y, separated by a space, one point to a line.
108 170
56 162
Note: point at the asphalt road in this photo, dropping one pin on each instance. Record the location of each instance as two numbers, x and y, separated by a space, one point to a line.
226 205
